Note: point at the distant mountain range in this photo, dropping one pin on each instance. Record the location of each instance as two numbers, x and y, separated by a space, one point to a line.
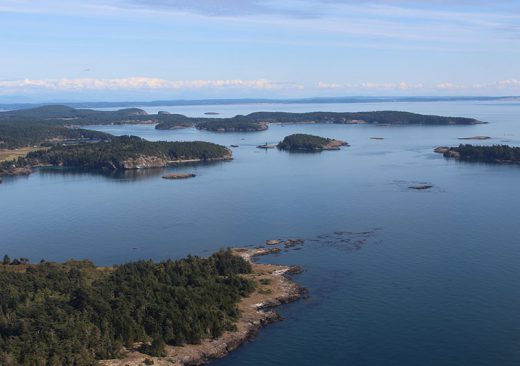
181 102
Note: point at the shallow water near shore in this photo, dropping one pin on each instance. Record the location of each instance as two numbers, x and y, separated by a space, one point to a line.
396 276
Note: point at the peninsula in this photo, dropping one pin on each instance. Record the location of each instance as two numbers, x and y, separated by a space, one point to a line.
310 143
118 153
182 312
497 154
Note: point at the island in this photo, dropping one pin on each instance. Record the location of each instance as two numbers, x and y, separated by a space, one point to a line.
421 186
377 117
475 138
309 143
259 121
119 153
175 312
174 176
496 154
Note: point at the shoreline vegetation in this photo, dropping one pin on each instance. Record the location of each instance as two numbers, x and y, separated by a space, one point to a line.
309 143
273 287
494 154
182 312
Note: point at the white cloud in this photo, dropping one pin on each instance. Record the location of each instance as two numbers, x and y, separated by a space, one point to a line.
510 85
235 87
449 86
325 85
138 83
369 85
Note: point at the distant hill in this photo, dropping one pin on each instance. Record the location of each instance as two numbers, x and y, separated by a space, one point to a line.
378 117
60 113
52 124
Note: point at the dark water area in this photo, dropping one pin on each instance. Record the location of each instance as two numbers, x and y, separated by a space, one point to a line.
396 276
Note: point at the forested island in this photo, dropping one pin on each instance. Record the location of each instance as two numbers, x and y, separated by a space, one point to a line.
259 120
378 117
181 311
309 143
118 153
497 154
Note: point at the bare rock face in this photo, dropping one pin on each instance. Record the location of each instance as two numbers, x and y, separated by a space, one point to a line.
441 149
272 242
335 145
144 162
447 152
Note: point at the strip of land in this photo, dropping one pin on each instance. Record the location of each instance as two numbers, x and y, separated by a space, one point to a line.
175 312
118 153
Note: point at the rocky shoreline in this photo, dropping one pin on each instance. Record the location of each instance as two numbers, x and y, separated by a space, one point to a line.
141 162
273 289
335 145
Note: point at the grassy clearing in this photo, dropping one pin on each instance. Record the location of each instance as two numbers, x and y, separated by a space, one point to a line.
12 154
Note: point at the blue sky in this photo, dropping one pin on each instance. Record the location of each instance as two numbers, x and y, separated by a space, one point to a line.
170 49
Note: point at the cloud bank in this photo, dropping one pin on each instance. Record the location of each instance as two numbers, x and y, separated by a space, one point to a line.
153 84
138 83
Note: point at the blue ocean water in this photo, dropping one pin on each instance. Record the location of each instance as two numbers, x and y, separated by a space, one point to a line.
396 277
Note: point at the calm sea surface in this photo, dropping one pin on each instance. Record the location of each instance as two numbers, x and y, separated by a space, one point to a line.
396 277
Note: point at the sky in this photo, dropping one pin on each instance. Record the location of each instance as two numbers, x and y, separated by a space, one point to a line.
115 50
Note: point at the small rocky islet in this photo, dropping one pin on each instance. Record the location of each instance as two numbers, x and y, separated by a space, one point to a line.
174 176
